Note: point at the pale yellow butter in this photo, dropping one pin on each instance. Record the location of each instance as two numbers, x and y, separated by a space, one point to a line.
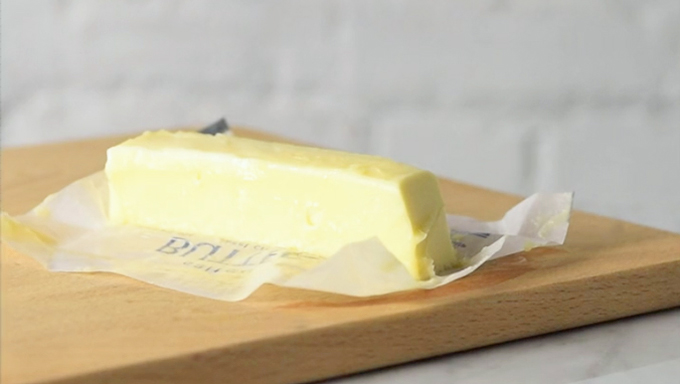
307 199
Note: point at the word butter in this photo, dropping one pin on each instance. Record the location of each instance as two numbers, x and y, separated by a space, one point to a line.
301 198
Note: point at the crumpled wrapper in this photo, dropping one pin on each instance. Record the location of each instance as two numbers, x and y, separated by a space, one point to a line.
68 232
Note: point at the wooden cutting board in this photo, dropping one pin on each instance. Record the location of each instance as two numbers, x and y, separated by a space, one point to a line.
105 328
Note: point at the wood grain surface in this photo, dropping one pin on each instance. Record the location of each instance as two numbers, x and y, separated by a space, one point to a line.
105 328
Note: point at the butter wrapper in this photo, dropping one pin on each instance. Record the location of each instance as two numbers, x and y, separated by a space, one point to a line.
68 232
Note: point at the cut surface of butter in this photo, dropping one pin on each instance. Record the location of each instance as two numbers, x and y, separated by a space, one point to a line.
301 198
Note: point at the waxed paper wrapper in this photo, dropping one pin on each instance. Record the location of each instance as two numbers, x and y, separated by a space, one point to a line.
68 232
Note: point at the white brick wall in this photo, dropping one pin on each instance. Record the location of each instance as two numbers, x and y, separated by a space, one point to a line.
516 95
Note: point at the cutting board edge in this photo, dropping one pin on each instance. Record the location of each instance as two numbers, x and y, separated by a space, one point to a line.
365 354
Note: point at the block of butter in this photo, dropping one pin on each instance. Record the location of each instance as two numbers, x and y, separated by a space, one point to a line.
301 198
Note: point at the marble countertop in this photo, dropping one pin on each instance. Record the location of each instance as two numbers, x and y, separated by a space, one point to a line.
642 349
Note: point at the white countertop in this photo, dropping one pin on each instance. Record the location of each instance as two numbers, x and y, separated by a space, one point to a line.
642 349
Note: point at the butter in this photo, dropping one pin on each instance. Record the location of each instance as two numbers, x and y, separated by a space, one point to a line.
301 198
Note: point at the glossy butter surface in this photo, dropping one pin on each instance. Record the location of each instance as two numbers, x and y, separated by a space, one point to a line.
307 199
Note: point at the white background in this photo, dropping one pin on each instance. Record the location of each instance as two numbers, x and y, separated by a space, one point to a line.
514 95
